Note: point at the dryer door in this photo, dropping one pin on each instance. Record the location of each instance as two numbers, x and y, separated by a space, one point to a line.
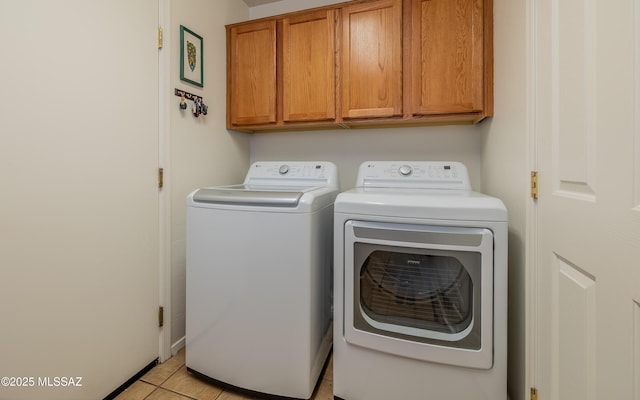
420 291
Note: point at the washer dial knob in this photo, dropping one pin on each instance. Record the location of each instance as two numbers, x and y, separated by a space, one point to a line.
405 170
283 169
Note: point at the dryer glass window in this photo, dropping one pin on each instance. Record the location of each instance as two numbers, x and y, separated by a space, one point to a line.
422 295
431 292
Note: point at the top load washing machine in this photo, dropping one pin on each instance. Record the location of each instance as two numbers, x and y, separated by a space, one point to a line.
259 278
420 308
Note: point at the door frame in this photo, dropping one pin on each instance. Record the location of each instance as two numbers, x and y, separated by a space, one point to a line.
532 293
164 193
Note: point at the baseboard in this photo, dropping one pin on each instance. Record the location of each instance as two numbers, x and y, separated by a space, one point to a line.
178 345
175 348
124 386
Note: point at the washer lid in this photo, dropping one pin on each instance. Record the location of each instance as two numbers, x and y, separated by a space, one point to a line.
246 195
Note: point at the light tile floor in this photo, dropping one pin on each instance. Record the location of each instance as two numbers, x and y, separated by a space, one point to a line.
171 381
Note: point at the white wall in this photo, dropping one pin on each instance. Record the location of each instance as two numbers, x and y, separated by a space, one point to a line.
203 152
505 172
349 148
285 6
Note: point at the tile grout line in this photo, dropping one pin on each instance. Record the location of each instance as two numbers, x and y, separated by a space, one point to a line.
171 391
159 386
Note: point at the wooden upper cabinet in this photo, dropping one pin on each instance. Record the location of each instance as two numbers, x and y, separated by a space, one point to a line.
251 56
371 62
448 57
362 63
308 67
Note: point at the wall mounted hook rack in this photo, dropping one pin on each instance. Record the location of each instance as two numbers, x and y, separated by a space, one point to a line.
198 102
187 95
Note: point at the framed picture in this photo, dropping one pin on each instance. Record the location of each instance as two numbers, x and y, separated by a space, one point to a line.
191 67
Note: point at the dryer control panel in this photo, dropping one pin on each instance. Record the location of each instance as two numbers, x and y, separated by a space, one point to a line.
414 174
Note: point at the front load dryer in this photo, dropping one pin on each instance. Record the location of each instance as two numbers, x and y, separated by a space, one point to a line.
259 278
420 286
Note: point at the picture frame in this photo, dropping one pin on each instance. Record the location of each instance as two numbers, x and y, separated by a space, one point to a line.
191 57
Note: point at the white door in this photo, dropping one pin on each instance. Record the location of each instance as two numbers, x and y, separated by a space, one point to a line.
587 126
78 195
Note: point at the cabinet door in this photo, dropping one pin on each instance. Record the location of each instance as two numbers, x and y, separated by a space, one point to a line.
308 80
447 56
372 59
252 73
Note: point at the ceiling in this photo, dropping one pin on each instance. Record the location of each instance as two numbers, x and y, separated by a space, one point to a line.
252 3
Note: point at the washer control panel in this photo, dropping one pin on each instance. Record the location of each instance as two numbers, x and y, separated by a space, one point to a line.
292 172
414 174
405 170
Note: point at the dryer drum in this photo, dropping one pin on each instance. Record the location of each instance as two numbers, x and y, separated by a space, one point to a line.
430 292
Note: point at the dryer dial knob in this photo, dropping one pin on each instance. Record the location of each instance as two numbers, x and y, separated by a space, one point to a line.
283 169
405 170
